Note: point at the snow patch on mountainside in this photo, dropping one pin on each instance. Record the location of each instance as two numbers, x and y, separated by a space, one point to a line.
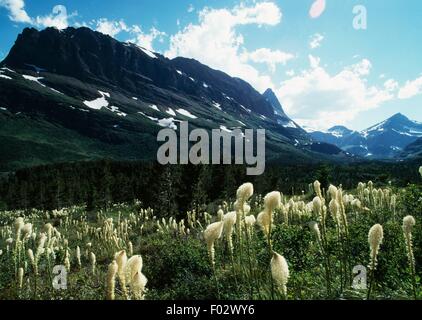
186 113
104 94
98 103
217 105
147 116
56 91
171 112
165 122
290 124
154 107
376 127
246 109
415 132
148 53
7 69
310 129
168 123
117 111
35 79
225 129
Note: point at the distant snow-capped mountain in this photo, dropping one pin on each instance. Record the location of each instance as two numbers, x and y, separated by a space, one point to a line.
387 139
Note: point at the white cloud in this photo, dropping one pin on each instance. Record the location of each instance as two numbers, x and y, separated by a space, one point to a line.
138 36
111 27
314 61
264 13
363 68
216 42
191 8
270 57
146 40
290 73
391 85
317 99
16 9
316 40
411 89
58 18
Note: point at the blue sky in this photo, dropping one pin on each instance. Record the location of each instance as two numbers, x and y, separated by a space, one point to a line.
323 70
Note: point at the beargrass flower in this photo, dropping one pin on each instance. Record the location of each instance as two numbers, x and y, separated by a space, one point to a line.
211 234
229 222
111 280
375 238
280 272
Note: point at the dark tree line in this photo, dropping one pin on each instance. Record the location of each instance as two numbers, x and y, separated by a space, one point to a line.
174 189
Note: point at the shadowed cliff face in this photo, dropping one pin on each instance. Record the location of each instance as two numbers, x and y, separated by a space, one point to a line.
79 94
92 56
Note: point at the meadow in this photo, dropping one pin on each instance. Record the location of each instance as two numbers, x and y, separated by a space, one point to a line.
323 243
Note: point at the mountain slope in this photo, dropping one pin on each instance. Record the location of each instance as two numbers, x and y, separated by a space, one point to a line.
110 99
413 150
224 86
270 96
384 140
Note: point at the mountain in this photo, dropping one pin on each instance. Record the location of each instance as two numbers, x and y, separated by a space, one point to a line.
382 141
281 117
77 94
270 96
232 88
333 135
413 150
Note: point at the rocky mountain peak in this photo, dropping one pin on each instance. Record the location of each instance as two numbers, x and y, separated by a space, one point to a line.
270 96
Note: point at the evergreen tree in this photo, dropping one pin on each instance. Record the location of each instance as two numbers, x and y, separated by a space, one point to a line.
200 190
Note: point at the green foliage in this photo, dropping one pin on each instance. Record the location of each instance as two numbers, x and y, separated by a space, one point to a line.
189 274
173 189
412 200
176 261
